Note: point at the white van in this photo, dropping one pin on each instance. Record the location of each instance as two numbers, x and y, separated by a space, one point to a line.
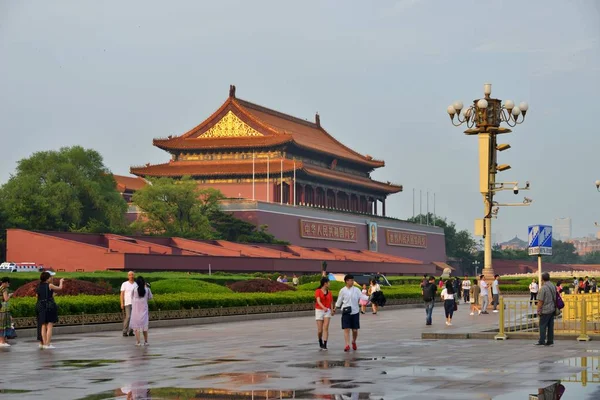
19 267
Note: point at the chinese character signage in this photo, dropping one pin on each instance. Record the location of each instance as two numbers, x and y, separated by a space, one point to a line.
327 231
373 236
405 239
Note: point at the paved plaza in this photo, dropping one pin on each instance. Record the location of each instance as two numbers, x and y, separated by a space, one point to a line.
279 359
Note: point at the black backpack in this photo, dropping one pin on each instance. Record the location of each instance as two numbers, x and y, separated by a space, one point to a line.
428 293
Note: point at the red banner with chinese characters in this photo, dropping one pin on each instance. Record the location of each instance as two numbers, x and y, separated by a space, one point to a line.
327 231
405 239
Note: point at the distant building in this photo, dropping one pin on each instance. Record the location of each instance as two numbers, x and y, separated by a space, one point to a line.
586 245
562 229
514 244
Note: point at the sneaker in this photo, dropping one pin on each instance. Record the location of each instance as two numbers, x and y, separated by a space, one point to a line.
125 334
347 348
485 312
539 344
472 314
41 346
131 333
427 324
138 344
449 323
324 348
49 347
446 322
549 344
146 344
495 311
479 312
4 344
354 347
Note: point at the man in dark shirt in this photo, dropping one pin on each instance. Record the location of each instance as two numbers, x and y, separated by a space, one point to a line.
429 291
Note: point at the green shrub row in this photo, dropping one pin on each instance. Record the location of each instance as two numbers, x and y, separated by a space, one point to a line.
187 286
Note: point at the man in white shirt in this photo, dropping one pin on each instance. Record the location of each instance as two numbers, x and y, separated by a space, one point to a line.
348 301
126 295
496 292
484 295
466 288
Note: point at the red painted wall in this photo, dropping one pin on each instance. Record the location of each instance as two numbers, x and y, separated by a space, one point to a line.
287 227
55 252
243 190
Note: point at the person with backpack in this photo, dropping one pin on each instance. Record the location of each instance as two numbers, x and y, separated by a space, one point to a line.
429 291
546 309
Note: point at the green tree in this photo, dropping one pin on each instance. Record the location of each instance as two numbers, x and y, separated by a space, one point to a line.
563 253
176 208
459 244
65 190
181 208
591 258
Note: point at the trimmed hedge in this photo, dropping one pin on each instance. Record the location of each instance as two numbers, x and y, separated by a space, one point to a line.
187 286
72 305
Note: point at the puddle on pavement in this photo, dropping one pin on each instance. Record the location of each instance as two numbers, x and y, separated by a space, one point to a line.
327 364
202 363
243 378
14 391
173 393
80 364
576 386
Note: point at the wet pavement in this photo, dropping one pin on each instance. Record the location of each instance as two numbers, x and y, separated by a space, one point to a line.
280 359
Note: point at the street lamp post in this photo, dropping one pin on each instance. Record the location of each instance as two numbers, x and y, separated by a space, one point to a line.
483 119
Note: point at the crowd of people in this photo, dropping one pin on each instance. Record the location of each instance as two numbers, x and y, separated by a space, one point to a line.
546 297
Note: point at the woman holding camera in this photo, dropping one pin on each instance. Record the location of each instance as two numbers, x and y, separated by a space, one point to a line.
47 312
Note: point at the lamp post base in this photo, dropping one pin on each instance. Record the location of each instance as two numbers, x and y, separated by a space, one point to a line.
488 273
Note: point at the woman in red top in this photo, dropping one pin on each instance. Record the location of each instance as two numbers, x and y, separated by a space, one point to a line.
323 311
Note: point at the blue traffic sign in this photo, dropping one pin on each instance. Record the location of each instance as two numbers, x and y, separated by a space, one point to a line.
540 240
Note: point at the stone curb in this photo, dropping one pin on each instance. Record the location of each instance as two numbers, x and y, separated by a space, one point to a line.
166 323
492 335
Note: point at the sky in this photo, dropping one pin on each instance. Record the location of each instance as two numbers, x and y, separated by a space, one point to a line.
113 75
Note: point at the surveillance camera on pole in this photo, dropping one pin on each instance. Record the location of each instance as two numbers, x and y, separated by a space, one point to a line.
516 188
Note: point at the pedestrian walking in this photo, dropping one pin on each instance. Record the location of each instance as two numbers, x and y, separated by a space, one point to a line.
457 292
496 292
126 296
533 290
364 301
348 299
546 308
449 302
323 312
139 310
429 291
594 286
376 296
586 285
483 286
6 329
47 312
466 289
474 298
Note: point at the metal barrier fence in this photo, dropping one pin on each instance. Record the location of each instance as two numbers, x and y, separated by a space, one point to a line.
580 317
590 372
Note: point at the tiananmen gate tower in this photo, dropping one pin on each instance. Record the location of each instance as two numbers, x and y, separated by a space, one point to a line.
252 152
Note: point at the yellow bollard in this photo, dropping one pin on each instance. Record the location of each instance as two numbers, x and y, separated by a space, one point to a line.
501 335
584 373
583 336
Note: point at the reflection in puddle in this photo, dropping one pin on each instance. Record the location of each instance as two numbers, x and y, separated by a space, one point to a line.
242 378
139 391
79 364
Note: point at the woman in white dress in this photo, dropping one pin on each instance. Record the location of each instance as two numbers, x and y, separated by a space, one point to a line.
139 310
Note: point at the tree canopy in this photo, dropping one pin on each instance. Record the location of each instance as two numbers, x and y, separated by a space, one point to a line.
181 208
68 189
